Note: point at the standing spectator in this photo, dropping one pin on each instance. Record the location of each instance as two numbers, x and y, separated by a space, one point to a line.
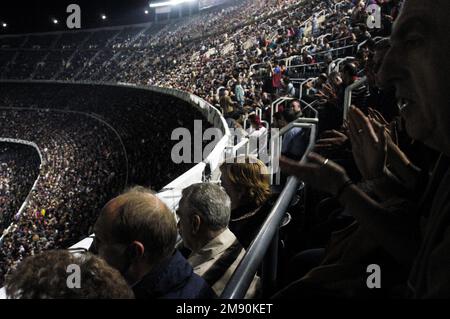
239 93
277 75
227 104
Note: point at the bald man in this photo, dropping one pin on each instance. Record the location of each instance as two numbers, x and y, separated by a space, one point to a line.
136 234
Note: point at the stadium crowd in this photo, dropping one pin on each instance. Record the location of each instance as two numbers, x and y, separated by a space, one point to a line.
19 169
75 177
92 152
385 166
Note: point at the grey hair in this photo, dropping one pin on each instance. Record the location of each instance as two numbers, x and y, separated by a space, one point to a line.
211 202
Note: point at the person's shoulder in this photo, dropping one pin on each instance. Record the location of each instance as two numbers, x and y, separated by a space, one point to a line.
197 288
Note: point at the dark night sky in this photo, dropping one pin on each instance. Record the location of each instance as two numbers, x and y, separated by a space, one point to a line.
36 15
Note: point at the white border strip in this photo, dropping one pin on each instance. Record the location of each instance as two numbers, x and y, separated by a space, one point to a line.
25 203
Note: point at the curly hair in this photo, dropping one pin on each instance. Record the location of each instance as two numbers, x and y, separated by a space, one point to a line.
250 176
45 276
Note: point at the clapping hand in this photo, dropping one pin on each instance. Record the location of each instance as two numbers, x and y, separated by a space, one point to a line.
319 172
331 139
369 146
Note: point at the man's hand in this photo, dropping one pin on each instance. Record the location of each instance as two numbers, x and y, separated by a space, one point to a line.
369 145
331 139
318 172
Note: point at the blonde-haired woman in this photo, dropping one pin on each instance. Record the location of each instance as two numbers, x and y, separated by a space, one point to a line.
246 180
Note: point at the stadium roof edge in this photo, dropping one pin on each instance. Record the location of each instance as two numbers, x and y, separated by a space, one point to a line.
118 27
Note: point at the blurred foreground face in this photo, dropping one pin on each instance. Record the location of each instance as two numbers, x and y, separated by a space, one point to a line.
418 64
58 274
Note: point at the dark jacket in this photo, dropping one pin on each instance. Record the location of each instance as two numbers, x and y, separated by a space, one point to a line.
429 277
173 279
246 221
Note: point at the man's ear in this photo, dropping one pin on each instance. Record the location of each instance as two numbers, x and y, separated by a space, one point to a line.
195 223
136 250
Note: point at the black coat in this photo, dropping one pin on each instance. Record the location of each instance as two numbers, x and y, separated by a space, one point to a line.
173 279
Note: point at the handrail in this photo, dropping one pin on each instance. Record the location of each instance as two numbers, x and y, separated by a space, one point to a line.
242 277
341 39
338 4
253 66
302 84
259 112
322 37
306 65
332 50
309 106
233 150
333 65
348 94
342 60
365 41
275 105
238 64
289 60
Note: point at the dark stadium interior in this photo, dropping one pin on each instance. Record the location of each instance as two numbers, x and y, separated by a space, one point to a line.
349 98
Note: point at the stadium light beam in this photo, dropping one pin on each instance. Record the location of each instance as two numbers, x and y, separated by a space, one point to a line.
169 3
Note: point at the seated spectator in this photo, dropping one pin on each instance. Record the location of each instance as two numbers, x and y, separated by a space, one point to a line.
257 134
246 181
317 85
204 214
46 276
294 141
136 233
296 107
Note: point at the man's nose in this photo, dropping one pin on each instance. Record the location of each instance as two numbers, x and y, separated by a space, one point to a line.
389 71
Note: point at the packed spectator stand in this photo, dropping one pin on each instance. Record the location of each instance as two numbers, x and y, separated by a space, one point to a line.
93 146
252 57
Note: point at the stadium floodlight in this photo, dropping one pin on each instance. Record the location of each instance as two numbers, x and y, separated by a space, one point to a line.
169 3
146 11
4 24
55 21
103 17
